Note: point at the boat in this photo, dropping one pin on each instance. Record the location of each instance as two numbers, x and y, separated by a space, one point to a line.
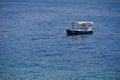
84 28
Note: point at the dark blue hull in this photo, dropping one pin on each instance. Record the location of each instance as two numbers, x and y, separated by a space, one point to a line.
76 32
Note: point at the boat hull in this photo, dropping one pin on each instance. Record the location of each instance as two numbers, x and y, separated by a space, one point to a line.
77 32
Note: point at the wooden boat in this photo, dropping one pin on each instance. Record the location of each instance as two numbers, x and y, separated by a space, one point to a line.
85 28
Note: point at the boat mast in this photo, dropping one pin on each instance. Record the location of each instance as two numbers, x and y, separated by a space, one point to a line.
72 24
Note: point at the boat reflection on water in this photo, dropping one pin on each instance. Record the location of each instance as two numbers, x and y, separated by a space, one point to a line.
81 37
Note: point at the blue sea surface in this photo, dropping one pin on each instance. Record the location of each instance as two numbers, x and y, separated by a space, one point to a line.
34 45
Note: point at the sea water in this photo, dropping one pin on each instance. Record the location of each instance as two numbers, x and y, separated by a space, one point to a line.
34 46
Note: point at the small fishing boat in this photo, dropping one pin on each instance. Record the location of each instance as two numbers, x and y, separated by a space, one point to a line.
83 29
